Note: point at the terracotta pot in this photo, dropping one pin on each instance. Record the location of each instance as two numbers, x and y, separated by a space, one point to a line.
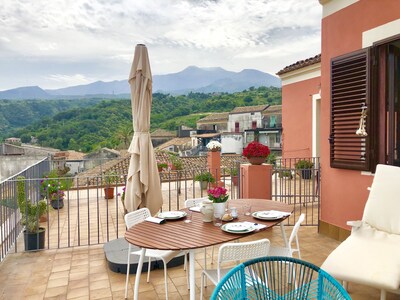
256 160
109 193
235 180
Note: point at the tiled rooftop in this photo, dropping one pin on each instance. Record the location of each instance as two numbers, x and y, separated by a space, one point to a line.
248 109
300 64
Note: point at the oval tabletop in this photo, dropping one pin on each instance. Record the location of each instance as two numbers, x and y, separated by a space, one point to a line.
178 235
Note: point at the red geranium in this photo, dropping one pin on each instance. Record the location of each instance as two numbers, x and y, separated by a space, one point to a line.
256 149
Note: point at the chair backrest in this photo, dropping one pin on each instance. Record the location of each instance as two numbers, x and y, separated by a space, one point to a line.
242 251
278 278
194 201
136 216
293 236
382 209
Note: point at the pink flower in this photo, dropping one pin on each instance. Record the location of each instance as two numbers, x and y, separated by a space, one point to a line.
218 194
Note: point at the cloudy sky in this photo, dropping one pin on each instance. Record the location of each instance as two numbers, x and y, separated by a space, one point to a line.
60 43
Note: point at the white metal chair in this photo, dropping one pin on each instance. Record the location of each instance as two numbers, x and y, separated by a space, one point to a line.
234 252
288 250
134 218
196 202
370 255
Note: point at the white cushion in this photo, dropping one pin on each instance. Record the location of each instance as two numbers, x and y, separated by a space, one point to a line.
382 209
368 256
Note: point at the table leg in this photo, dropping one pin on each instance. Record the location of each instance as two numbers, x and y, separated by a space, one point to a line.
192 275
284 234
138 273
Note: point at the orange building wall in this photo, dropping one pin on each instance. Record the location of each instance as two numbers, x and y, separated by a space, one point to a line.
344 192
297 117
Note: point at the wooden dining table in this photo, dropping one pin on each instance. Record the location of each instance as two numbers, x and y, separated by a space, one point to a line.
180 236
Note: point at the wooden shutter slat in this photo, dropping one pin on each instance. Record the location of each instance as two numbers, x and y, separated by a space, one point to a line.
349 91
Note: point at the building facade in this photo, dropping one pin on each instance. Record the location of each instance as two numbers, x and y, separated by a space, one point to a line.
344 108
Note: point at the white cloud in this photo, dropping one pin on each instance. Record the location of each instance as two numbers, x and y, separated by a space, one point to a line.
68 80
96 38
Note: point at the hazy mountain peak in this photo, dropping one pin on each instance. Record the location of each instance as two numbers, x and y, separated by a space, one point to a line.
192 78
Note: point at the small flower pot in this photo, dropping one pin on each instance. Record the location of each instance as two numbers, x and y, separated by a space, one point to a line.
57 204
306 174
203 185
235 180
109 193
219 209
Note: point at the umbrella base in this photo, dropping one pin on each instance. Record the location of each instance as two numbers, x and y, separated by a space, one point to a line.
116 252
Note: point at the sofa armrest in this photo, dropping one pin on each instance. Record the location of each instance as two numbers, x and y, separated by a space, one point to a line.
354 224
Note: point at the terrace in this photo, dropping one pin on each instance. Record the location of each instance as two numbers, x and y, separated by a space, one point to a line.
73 265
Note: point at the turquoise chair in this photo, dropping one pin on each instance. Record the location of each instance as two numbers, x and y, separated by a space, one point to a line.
278 278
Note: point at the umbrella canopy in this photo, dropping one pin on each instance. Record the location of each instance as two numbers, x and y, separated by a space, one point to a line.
143 187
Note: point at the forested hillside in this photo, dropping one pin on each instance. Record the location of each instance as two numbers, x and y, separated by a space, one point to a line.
109 123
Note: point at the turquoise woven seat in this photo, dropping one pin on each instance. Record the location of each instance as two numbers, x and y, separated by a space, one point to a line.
278 278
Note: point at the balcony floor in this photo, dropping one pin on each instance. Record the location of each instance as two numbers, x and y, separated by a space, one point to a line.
82 273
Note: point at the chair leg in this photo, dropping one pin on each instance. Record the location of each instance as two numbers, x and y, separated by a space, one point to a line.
201 285
127 271
345 286
185 262
148 270
165 280
212 255
187 270
383 295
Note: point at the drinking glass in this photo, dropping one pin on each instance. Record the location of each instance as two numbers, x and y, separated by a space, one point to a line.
217 220
188 217
247 209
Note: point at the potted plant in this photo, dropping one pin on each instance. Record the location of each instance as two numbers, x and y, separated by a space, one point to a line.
109 180
305 167
256 153
52 188
234 176
34 236
214 146
204 179
161 166
218 196
176 162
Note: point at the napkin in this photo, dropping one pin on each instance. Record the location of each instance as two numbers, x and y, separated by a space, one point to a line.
195 208
257 226
155 220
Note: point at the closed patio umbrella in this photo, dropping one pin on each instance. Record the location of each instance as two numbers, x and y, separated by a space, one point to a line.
143 187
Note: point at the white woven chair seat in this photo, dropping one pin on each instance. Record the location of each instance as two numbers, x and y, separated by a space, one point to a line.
165 255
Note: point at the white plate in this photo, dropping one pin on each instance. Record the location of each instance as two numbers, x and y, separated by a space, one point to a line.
268 215
238 226
172 215
245 229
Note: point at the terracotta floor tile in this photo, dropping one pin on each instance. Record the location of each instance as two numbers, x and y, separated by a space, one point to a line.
100 293
99 284
78 293
82 273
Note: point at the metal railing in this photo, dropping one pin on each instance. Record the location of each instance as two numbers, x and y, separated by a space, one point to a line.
10 218
89 217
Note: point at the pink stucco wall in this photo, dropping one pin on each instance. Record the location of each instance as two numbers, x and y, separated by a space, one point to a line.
297 118
344 192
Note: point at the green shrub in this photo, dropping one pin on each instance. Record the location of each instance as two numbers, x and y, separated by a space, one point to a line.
206 176
304 164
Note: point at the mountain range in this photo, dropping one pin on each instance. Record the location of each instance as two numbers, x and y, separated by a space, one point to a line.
191 79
